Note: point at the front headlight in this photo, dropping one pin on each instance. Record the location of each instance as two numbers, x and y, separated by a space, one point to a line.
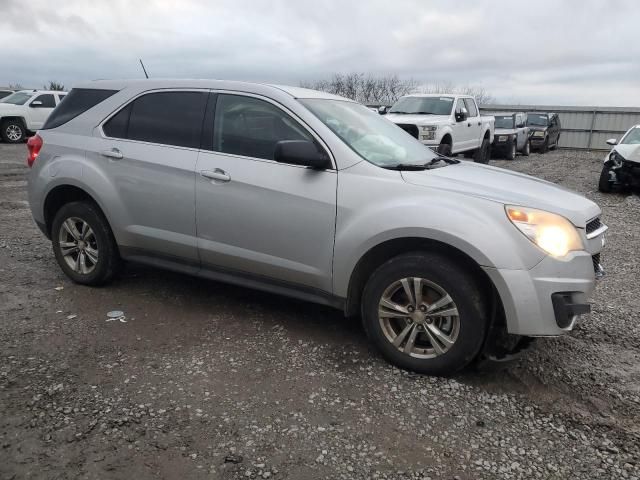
616 158
552 233
429 128
502 138
538 134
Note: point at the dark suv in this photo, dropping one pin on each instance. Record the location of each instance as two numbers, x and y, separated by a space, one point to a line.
544 130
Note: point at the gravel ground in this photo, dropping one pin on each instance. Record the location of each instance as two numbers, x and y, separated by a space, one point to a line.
206 380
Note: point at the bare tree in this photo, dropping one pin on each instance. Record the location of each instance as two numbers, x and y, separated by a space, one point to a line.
15 86
53 85
481 95
364 88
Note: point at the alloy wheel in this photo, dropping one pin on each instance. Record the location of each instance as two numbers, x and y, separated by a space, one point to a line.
14 132
78 245
419 317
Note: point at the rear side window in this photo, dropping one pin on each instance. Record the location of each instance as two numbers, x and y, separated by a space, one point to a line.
169 118
77 101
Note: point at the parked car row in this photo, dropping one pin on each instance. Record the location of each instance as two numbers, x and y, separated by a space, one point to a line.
25 111
452 124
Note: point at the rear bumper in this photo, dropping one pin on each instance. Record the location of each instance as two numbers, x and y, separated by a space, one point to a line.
548 299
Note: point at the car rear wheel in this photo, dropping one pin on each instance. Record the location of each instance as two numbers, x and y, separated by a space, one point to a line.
605 185
483 153
526 151
84 245
13 131
425 313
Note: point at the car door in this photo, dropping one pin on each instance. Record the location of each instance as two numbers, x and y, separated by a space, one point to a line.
40 107
148 153
257 216
556 128
521 131
461 129
474 123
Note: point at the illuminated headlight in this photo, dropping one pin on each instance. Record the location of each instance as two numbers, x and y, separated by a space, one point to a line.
502 138
552 233
538 134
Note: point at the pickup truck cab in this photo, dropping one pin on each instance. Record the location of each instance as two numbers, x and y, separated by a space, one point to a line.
25 111
448 123
511 135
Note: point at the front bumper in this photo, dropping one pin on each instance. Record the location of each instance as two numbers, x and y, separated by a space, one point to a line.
502 146
537 141
548 299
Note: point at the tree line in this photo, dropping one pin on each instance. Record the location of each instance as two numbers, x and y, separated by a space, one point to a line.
386 89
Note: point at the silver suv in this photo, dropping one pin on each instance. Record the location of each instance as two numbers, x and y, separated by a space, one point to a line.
313 196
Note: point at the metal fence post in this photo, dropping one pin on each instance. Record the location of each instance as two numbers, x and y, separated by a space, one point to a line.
593 124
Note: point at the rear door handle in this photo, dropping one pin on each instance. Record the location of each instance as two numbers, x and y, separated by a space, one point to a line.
216 175
113 153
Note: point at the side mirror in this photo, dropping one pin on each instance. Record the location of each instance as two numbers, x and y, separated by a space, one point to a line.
462 115
612 141
382 110
301 152
36 104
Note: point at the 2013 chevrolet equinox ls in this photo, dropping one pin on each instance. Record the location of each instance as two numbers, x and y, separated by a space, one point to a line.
311 195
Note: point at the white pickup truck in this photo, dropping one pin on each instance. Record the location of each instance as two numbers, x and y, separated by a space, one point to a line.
448 123
26 111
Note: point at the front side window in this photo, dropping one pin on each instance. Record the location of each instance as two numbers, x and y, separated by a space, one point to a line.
423 106
632 137
370 135
168 118
471 107
252 127
18 98
47 99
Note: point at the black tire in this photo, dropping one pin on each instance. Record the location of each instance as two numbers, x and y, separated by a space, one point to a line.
511 154
13 131
483 154
463 289
545 146
526 151
444 149
108 262
555 144
604 184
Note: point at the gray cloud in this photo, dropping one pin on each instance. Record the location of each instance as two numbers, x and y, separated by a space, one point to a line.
582 52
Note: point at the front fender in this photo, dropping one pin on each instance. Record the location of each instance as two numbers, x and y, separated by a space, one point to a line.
380 210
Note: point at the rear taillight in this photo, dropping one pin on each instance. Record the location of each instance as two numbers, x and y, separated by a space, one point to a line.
34 144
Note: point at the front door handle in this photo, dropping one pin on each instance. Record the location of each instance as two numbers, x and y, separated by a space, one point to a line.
113 153
217 175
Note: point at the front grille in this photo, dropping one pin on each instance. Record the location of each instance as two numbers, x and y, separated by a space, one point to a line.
410 129
593 225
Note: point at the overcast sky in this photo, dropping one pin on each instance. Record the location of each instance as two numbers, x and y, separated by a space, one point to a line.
582 52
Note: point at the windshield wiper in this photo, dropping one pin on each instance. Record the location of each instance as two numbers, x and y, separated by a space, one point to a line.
398 111
425 113
422 166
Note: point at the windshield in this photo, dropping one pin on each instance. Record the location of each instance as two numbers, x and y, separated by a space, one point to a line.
537 119
370 135
504 121
423 105
632 137
18 98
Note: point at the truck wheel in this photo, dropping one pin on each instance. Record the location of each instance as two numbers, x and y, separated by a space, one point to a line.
84 245
545 146
605 185
483 154
425 313
511 154
526 151
13 131
555 144
444 149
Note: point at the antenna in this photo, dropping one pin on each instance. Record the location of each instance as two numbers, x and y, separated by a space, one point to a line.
144 69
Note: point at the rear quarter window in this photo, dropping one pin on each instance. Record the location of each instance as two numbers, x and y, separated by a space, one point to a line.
76 102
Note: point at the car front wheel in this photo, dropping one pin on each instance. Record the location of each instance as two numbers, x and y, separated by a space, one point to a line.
425 313
83 244
526 151
605 185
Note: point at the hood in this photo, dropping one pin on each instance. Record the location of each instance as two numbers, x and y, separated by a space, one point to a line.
507 187
505 131
629 151
537 128
418 119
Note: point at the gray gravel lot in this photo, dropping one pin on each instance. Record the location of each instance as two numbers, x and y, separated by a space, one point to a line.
206 380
